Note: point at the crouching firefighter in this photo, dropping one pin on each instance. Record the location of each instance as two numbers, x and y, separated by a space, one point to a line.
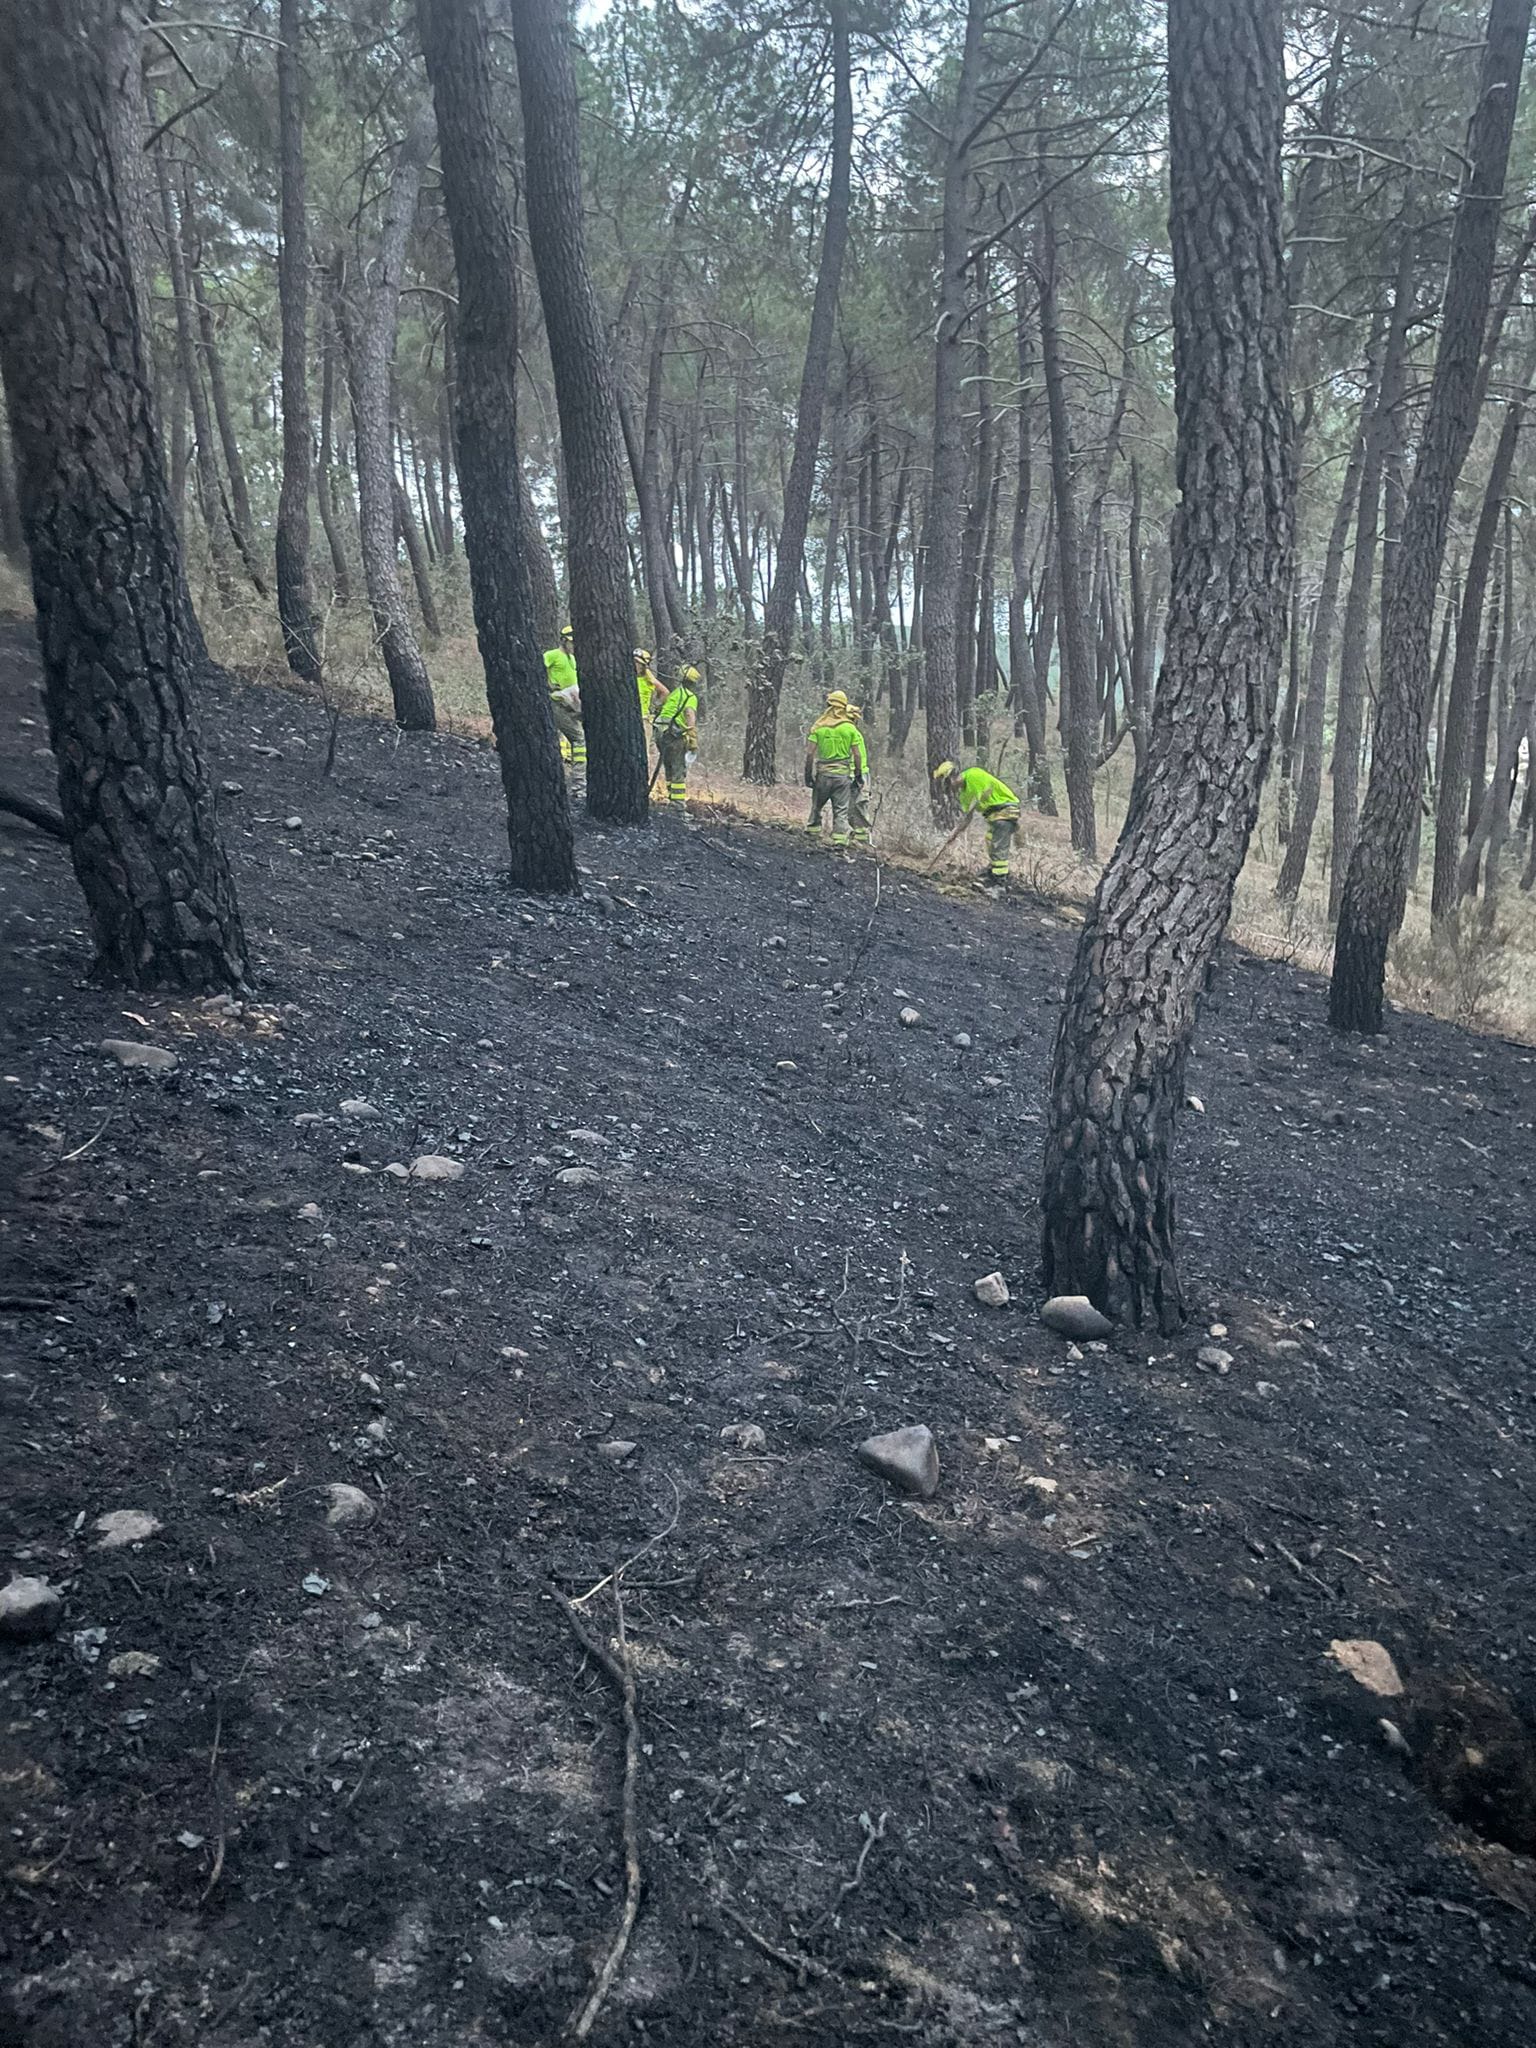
978 791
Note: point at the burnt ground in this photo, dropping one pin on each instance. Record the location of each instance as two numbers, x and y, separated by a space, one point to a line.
1117 1791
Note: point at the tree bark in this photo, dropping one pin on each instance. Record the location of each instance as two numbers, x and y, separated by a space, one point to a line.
1117 1081
237 511
946 485
602 601
295 609
409 531
369 312
205 467
1081 704
12 542
1349 715
455 40
1454 762
765 683
1375 890
1310 731
325 488
111 600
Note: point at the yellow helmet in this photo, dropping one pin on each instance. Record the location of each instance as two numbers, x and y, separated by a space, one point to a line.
944 770
837 700
567 633
688 674
643 656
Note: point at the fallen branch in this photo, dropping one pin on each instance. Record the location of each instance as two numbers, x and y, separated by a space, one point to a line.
621 1672
803 1966
43 816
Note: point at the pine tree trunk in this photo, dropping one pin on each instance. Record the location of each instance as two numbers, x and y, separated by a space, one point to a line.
12 542
1313 717
1117 1083
602 601
369 313
409 531
295 602
1375 890
1454 760
1080 703
455 39
112 611
205 468
946 486
237 511
1349 716
325 488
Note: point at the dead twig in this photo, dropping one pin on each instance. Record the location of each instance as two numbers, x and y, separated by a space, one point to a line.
612 1578
803 1966
621 1672
1303 1571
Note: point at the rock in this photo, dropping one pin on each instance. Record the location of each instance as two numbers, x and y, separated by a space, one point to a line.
962 1039
1213 1358
588 1138
579 1177
1193 1102
310 1213
911 1017
433 1166
30 1610
1047 1489
786 1066
1368 1664
358 1106
908 1458
132 1664
396 1171
350 1507
744 1436
124 1526
157 1059
1217 1331
1074 1315
293 824
231 789
992 1291
617 1449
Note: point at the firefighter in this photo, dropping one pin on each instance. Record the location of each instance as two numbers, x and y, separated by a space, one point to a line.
999 807
834 747
646 682
858 809
675 730
565 698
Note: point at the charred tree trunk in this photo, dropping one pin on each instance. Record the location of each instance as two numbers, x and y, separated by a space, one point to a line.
766 682
205 466
1375 891
946 486
112 611
1080 703
369 310
1117 1082
295 603
12 541
325 486
455 40
602 603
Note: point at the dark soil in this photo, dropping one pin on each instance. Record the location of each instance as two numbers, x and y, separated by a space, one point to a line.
1118 1791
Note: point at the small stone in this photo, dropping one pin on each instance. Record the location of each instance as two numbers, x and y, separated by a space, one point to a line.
124 1526
350 1507
128 1052
132 1664
88 1644
579 1177
776 943
1217 1330
1266 1387
433 1166
377 1430
1193 1102
358 1106
992 1291
744 1436
911 1017
314 1585
588 1138
908 1458
231 789
1213 1358
1037 1483
190 1839
617 1449
310 1213
30 1609
1368 1664
1074 1315
786 1066
962 1039
294 823
396 1171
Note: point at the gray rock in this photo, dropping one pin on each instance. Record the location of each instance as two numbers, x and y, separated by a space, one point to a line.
350 1507
911 1018
962 1039
744 1436
30 1609
433 1166
124 1526
293 824
617 1449
992 1291
157 1059
231 789
1214 1358
579 1177
358 1106
132 1664
908 1458
1074 1315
